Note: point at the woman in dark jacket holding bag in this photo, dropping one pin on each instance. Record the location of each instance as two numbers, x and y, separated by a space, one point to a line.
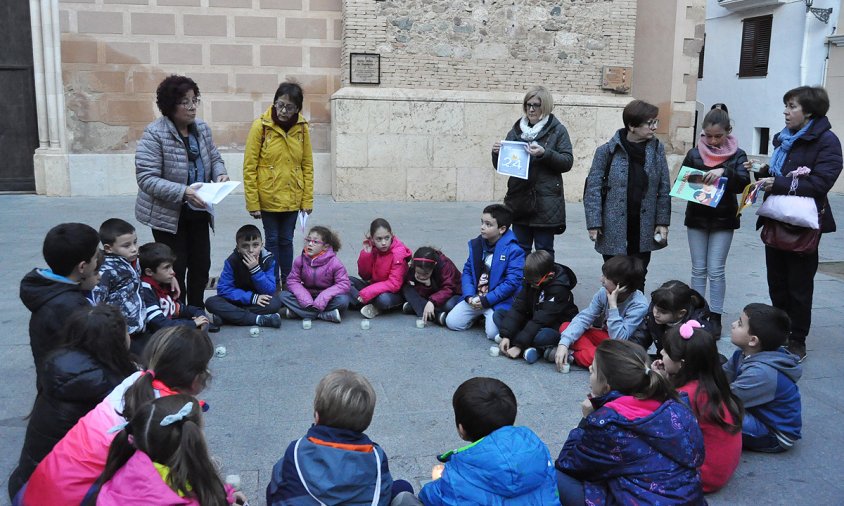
539 203
74 379
710 229
806 141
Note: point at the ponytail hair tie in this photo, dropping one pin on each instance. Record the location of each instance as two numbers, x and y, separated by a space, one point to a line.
150 372
688 328
647 370
178 416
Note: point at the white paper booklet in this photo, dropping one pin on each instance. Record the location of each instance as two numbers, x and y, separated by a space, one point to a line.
213 193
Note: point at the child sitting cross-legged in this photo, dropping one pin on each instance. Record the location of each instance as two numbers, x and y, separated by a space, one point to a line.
246 290
335 462
764 376
541 306
318 284
382 264
431 285
638 443
615 312
691 362
502 464
162 307
672 304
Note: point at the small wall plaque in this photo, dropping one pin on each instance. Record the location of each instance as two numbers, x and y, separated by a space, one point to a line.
364 68
617 79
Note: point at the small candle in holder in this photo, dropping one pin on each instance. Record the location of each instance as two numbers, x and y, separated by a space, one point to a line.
437 471
566 368
255 331
420 323
233 480
306 324
364 324
494 351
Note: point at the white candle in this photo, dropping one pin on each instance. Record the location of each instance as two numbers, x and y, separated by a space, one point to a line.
420 323
364 324
566 368
255 331
306 324
494 351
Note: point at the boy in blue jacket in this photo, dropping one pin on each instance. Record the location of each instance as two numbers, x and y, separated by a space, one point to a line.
246 290
492 274
502 464
764 376
335 462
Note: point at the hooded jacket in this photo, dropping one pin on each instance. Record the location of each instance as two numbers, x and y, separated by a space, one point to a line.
72 383
505 274
384 272
315 281
445 281
545 175
820 150
51 299
534 309
139 483
650 332
161 168
338 466
620 323
243 286
509 466
632 451
278 166
766 382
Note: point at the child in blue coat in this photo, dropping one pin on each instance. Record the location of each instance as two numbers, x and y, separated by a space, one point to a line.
503 464
492 274
637 444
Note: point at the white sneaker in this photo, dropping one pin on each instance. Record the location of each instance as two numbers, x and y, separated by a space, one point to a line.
497 338
369 311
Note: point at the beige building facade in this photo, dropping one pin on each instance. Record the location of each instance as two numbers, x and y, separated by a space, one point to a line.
834 84
452 77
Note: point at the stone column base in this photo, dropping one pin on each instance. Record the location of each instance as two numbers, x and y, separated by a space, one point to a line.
52 176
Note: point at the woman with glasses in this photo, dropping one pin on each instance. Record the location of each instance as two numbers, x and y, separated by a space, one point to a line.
278 172
626 200
538 202
175 154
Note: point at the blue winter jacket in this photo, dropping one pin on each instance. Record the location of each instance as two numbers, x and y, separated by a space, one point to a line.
242 286
510 466
649 459
338 466
505 274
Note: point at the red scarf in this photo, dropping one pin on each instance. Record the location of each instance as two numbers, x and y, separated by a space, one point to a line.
714 157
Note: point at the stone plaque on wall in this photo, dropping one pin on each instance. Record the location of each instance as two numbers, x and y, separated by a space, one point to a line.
364 68
617 79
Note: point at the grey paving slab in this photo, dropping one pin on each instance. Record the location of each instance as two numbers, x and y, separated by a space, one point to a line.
262 393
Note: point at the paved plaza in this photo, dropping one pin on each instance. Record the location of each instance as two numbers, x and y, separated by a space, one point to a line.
262 392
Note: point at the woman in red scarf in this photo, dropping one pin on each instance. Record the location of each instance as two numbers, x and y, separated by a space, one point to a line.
710 229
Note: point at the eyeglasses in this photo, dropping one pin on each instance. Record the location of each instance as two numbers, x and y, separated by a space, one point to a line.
282 107
652 123
532 105
313 241
190 104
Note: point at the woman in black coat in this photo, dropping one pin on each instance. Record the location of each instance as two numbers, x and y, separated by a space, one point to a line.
710 229
538 203
806 141
74 379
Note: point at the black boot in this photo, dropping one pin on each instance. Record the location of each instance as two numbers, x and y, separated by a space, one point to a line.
715 319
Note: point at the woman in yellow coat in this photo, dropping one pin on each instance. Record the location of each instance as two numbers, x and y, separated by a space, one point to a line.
278 172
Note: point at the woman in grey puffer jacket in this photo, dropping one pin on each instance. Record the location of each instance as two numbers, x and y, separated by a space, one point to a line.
175 152
539 203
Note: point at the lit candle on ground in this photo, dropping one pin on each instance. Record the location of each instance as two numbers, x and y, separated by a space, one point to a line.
306 324
255 331
437 471
420 323
364 324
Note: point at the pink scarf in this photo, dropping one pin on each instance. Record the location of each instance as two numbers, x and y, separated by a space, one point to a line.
714 157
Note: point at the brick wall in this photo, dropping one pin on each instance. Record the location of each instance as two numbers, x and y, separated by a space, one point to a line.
115 52
491 46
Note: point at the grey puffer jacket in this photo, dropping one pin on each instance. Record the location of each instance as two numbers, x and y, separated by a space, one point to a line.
611 217
545 175
161 168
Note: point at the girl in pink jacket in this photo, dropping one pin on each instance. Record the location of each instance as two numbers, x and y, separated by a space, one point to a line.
318 284
160 457
382 265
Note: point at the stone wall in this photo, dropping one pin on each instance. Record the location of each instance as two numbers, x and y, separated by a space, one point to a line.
402 144
492 44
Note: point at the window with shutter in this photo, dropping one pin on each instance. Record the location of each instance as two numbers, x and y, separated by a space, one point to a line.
755 46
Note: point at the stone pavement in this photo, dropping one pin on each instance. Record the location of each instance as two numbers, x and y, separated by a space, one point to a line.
262 393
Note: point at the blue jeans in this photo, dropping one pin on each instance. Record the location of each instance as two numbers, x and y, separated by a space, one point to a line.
757 437
544 338
570 489
384 302
278 232
709 249
541 237
289 300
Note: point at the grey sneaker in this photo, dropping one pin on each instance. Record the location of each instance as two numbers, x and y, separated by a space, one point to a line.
286 313
369 311
497 338
269 320
330 316
550 354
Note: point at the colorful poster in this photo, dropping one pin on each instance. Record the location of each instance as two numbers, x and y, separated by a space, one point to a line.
513 159
690 186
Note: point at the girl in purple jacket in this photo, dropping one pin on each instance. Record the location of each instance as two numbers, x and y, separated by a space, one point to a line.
318 284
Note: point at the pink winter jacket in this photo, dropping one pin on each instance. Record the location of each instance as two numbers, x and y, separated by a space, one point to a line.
315 281
138 483
383 271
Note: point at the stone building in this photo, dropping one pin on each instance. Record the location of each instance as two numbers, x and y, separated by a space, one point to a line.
451 79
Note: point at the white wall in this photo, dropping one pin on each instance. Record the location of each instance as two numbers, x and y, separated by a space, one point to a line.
757 101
